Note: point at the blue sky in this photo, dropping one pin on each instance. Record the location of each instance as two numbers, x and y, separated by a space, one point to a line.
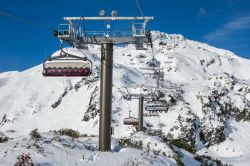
26 25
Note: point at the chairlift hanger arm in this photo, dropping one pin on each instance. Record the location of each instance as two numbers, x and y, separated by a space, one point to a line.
59 58
66 55
140 95
108 18
151 68
145 98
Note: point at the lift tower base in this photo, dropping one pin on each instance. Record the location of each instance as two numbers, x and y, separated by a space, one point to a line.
140 113
105 96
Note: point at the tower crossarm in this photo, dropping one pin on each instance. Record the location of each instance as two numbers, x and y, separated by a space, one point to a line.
74 35
103 39
146 18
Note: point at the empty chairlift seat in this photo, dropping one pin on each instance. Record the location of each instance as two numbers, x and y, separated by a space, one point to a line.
67 65
130 121
157 105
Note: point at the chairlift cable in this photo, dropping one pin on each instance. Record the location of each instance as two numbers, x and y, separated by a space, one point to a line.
149 33
151 44
14 17
84 28
139 8
129 109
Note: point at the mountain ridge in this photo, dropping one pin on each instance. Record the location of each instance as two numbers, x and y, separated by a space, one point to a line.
207 90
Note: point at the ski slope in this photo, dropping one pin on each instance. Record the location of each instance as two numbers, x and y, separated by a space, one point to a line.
192 72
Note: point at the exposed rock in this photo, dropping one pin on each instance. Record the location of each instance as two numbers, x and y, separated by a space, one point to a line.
66 91
92 110
211 134
186 125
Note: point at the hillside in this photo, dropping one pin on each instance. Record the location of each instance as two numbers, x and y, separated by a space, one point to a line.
207 89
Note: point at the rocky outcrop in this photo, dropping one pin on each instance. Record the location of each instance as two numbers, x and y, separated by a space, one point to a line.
227 98
92 110
211 133
183 132
66 91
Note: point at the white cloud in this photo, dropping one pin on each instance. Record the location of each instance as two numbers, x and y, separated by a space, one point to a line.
203 12
232 27
241 23
232 3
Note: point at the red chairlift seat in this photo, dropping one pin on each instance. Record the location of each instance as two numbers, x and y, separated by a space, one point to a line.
131 121
67 65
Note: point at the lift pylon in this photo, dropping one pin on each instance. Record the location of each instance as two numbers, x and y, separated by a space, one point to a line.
74 36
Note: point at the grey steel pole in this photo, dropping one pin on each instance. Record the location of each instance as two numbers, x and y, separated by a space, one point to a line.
105 97
140 113
158 81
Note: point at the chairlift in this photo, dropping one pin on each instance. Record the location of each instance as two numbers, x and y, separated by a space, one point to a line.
67 65
138 31
130 120
156 105
140 46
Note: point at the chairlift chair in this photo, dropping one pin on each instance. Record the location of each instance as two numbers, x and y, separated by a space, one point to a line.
157 105
138 31
140 46
67 65
131 121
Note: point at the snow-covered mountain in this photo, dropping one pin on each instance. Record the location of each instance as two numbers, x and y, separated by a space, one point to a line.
208 121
